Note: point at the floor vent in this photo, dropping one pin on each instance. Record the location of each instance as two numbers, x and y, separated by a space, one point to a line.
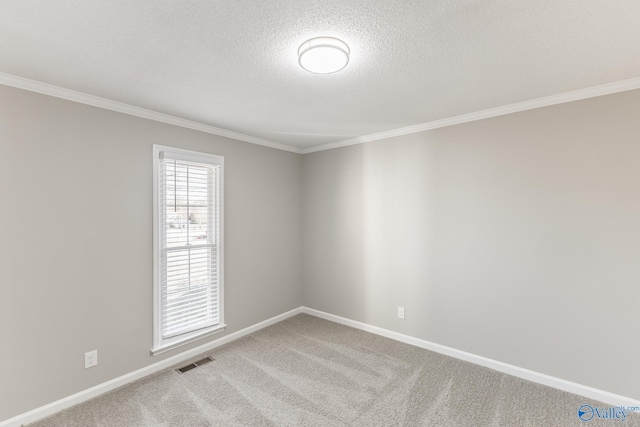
194 365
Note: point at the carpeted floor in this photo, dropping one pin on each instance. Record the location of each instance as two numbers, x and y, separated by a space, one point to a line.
307 371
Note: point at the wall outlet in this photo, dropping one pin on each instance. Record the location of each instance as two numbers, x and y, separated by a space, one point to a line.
400 312
90 359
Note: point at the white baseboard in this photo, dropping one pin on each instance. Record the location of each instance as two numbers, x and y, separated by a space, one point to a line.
560 384
536 377
51 408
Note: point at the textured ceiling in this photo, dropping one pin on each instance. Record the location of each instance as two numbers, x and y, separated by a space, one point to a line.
233 64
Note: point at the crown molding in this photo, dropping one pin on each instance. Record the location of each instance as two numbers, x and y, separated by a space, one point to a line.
562 98
107 104
83 98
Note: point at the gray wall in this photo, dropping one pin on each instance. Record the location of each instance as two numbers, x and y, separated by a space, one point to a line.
515 238
76 246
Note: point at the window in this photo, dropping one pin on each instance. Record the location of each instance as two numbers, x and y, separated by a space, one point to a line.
188 253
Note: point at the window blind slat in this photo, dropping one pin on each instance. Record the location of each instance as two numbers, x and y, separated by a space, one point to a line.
178 297
187 314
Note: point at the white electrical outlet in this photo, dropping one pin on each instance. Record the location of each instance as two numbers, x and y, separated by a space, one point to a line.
90 359
400 312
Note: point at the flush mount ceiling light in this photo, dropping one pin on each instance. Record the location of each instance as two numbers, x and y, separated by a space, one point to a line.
323 55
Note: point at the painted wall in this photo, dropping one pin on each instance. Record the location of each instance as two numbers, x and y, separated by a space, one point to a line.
76 245
515 238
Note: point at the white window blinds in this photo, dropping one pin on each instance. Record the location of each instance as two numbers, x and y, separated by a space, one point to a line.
189 236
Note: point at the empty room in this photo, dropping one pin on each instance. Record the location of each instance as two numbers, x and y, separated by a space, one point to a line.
320 213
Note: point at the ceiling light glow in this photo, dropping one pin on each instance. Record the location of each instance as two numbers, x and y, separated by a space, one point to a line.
323 55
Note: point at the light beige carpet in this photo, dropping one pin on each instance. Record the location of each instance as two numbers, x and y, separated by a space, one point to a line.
306 371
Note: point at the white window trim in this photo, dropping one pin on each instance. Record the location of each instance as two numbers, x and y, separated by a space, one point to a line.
161 345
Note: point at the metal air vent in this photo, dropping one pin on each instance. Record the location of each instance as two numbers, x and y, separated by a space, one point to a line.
194 365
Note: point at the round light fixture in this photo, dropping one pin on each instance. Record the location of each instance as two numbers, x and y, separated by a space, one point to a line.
323 55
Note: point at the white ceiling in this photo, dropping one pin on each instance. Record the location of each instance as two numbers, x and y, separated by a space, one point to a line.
233 64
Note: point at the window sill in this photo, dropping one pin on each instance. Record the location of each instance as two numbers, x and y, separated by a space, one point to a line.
187 339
